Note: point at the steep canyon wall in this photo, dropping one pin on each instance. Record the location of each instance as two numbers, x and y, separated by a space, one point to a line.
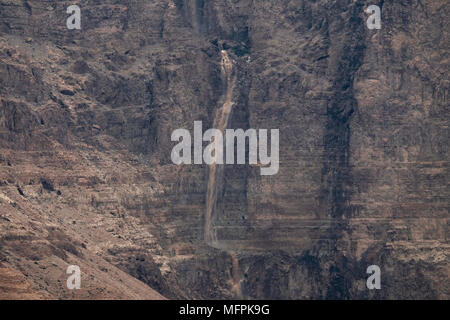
86 177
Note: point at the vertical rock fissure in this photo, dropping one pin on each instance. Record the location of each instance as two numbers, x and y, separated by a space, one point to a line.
236 282
347 43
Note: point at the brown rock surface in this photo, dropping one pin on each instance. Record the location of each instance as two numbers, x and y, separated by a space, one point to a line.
86 176
14 286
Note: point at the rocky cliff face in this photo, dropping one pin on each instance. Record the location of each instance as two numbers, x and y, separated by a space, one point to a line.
86 177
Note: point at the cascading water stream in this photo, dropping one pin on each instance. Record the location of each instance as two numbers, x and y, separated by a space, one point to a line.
221 122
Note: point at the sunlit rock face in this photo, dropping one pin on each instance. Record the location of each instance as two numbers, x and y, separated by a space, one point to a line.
86 176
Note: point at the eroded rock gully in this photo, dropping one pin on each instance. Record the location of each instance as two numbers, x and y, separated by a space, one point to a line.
86 178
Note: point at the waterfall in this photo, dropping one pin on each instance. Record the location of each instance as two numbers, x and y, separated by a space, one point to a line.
220 122
216 173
